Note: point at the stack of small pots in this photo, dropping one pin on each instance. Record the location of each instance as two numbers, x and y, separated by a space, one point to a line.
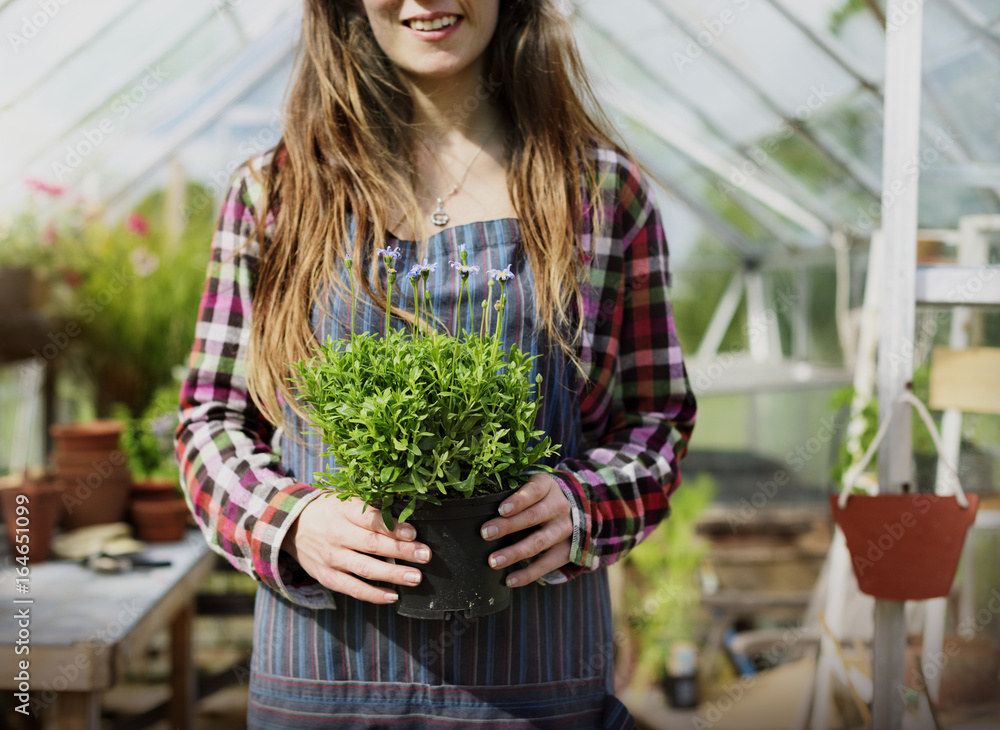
92 466
31 503
159 512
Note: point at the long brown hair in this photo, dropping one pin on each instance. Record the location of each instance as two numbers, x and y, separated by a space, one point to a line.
343 159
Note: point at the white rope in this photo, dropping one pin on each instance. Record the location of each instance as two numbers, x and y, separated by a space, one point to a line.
854 472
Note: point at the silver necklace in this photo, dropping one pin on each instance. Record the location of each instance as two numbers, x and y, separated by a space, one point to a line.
439 217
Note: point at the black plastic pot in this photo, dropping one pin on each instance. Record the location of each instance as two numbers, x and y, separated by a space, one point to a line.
458 580
682 692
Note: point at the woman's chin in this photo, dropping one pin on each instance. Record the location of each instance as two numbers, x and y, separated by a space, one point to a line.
439 69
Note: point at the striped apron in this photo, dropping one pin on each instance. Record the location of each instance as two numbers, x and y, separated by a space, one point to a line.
547 661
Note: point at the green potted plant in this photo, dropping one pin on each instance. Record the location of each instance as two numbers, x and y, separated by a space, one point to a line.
158 509
431 428
664 595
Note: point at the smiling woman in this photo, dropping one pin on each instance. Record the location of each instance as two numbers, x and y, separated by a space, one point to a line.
438 43
473 120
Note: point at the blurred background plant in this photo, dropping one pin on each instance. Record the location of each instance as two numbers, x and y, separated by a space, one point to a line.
147 440
138 284
663 589
34 243
847 455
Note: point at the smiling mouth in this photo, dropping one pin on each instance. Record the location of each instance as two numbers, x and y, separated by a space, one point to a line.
445 21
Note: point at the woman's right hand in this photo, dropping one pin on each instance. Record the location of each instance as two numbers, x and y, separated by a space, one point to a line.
335 542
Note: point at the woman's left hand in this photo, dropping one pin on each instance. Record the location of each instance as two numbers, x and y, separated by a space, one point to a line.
539 503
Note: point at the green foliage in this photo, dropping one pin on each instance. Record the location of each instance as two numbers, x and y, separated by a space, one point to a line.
840 400
664 568
422 417
921 438
840 16
137 297
38 236
147 442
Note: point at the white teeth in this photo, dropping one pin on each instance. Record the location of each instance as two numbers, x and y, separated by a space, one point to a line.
436 24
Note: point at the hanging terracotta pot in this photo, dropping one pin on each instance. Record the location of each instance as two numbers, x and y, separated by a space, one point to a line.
31 507
905 547
87 458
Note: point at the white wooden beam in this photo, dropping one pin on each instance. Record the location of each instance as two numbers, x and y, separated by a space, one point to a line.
900 184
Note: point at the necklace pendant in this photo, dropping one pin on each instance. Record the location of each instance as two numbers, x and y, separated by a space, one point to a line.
439 217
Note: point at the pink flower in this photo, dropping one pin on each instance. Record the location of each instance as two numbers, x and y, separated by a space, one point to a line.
40 186
137 224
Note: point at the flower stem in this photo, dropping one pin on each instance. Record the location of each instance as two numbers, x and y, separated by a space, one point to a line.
428 302
388 298
354 301
416 307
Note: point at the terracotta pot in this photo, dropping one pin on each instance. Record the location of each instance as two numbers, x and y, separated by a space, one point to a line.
156 489
160 520
98 482
96 501
34 506
905 547
99 436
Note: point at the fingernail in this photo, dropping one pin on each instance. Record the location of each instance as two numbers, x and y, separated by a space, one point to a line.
406 532
506 509
422 555
511 582
392 597
413 577
489 531
498 561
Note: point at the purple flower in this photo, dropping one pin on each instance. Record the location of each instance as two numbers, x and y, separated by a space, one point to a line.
501 274
426 268
414 273
388 253
463 269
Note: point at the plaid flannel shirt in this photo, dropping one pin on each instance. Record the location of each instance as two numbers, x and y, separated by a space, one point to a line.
637 407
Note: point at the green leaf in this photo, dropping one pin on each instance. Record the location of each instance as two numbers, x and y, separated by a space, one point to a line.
408 510
387 519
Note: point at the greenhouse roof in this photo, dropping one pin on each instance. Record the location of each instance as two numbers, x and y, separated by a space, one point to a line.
763 118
